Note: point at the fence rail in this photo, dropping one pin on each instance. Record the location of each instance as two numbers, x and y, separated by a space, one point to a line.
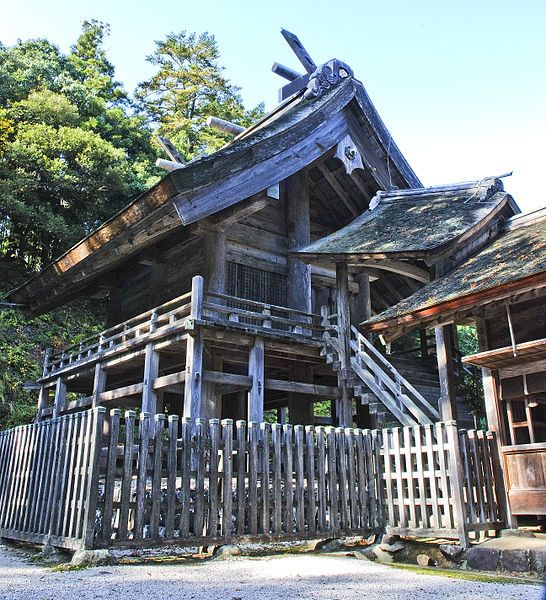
165 480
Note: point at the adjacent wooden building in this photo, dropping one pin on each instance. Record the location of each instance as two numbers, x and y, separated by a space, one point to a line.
501 289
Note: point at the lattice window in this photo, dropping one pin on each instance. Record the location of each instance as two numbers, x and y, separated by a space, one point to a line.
256 284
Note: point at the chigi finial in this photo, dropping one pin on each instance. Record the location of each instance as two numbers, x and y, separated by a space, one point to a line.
316 79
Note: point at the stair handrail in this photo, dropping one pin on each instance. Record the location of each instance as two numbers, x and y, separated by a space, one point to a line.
418 399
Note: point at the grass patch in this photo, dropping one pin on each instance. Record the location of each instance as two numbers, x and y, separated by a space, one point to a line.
467 575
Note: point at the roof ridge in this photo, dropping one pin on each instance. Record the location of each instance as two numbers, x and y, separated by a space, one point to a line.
453 187
527 218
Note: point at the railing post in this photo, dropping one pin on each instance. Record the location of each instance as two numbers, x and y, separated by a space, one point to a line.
194 354
47 358
90 502
196 309
501 491
457 481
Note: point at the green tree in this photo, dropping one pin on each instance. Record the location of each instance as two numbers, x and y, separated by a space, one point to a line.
72 153
188 86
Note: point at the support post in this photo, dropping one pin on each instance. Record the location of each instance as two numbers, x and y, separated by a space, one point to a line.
60 396
299 234
99 384
361 310
43 398
91 499
151 372
194 354
344 412
457 482
361 303
448 387
300 406
256 371
215 260
495 422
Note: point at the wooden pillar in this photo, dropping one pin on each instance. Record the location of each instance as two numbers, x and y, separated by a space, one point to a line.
495 420
60 396
256 370
299 234
215 260
300 406
361 303
448 388
194 355
99 384
113 311
211 400
361 310
344 409
157 283
490 382
43 401
151 371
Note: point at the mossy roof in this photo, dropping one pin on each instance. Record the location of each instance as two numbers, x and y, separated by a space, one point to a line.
411 222
516 254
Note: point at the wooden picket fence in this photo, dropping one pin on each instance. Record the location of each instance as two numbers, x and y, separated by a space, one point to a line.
214 482
441 482
156 481
46 480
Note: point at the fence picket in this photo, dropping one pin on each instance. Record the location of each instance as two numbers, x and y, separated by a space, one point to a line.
270 480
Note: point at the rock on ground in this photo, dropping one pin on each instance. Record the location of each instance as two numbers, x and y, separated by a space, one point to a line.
284 577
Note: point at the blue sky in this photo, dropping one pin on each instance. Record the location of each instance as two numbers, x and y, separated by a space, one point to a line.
461 85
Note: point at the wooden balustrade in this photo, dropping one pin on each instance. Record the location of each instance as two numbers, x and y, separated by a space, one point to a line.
165 319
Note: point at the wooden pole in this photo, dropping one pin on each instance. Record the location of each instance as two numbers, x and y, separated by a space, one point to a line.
361 310
194 355
300 406
344 411
299 234
444 351
99 384
151 372
256 371
215 261
60 396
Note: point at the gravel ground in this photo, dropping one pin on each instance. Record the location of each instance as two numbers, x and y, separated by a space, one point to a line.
320 577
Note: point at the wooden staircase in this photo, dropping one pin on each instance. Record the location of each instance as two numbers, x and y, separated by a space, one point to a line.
372 375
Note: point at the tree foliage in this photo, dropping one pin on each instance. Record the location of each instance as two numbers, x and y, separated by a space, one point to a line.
71 151
189 85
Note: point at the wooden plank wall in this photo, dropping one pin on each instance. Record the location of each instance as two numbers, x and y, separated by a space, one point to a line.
45 470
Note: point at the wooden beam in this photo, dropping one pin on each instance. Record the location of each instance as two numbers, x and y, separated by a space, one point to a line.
336 186
224 126
247 207
169 380
400 267
285 72
151 370
122 392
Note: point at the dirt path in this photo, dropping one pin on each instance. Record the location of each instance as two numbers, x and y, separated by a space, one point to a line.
310 576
